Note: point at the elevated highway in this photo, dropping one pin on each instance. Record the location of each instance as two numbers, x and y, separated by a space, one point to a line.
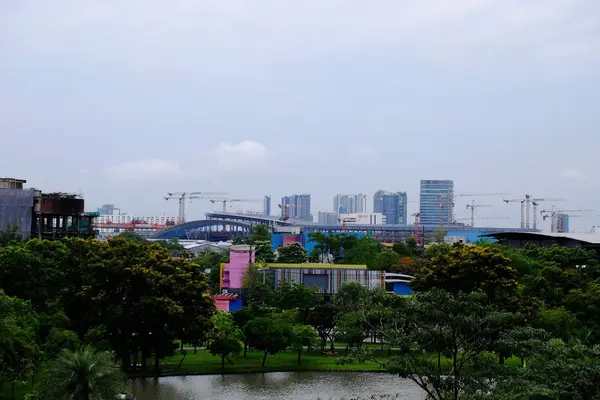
224 226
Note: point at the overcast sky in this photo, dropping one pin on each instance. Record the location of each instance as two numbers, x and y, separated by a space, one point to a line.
125 100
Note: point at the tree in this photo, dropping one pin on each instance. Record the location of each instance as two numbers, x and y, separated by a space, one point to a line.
385 259
11 233
263 251
260 232
460 326
292 253
555 370
365 251
242 317
295 296
212 261
174 248
304 336
133 236
469 269
439 235
82 375
167 295
18 347
225 337
323 318
406 265
269 335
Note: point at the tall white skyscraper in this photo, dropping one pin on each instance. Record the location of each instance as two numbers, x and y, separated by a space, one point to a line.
350 203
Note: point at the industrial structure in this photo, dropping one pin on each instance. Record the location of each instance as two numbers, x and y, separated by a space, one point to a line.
350 203
43 215
529 209
392 205
183 197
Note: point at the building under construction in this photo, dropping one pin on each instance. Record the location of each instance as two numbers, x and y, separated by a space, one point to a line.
43 215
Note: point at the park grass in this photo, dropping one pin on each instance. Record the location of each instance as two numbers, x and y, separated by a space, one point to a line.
202 362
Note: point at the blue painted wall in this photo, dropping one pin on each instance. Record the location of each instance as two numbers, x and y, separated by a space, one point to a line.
236 304
402 289
277 239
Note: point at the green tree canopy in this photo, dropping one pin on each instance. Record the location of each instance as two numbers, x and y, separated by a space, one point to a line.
292 253
468 269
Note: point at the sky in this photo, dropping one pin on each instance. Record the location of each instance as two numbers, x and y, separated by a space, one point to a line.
126 100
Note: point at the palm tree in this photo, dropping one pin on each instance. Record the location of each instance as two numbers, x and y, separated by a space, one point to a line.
84 374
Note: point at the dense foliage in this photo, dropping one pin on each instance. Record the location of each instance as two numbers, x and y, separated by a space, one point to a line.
75 313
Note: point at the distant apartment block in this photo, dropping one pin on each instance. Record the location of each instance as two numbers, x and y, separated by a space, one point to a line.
327 218
392 205
364 219
267 205
297 206
350 203
436 202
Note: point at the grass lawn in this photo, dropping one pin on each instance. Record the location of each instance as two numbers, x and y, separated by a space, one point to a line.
204 363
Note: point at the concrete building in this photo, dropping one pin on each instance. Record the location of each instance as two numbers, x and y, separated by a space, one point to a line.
43 215
297 206
109 225
350 203
108 209
436 202
267 205
392 205
364 219
327 218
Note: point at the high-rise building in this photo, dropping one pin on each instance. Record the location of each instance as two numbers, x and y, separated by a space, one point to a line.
327 218
350 203
267 205
562 223
392 205
107 209
297 206
436 202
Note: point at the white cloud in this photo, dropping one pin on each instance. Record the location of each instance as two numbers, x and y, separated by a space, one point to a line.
145 170
240 157
574 175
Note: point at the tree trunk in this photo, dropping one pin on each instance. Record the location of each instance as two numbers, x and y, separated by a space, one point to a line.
144 360
245 349
12 391
183 358
157 363
222 362
439 362
264 359
501 358
299 356
323 343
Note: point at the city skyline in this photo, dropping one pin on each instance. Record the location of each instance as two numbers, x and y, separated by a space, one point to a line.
296 97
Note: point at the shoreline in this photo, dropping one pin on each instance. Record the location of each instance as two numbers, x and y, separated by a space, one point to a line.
258 371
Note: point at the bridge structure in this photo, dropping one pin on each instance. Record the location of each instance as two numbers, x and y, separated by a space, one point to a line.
225 226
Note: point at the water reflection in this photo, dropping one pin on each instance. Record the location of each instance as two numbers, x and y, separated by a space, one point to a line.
279 385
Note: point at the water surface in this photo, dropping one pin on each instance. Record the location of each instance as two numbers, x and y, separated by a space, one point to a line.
276 385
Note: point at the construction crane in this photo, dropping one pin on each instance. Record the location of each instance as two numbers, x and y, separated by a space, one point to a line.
522 209
225 201
450 202
536 202
417 215
346 220
472 207
554 217
183 196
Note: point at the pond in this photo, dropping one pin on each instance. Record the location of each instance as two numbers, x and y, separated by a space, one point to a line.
276 385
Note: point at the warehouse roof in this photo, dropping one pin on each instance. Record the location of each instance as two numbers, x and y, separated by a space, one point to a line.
589 238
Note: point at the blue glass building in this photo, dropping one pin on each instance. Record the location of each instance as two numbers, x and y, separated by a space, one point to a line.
392 205
436 202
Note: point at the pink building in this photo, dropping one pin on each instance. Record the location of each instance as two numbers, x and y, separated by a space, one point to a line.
233 272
